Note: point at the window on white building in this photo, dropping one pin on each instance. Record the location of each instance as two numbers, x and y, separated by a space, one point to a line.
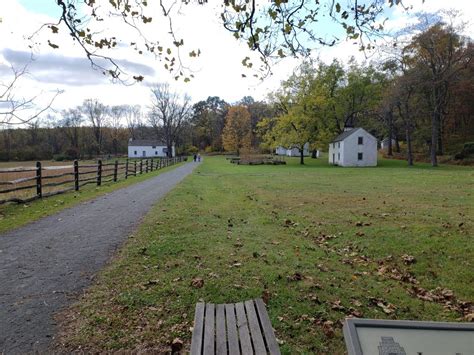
135 152
361 140
339 144
338 156
360 156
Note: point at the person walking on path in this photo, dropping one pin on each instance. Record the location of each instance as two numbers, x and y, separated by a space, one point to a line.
195 157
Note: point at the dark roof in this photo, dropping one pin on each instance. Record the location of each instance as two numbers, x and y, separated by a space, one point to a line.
146 142
344 135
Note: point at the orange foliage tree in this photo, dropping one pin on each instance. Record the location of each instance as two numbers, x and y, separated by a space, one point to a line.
237 134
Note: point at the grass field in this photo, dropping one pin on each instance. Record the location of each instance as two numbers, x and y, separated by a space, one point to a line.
318 243
16 215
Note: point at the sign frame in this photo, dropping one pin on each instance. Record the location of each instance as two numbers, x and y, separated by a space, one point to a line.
351 337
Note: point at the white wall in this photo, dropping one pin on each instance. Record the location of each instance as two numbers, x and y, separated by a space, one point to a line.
280 151
336 151
352 149
135 151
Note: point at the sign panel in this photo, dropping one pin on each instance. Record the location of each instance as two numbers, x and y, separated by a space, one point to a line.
385 337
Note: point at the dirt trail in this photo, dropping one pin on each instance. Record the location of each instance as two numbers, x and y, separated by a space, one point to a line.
44 266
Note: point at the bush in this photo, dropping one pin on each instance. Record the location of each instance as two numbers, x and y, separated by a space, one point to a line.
468 149
59 157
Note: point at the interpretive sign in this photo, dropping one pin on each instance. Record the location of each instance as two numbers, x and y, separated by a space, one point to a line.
391 337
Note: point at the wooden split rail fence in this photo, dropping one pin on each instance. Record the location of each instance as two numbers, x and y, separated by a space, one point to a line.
45 181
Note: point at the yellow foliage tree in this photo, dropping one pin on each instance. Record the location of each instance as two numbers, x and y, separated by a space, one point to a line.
237 133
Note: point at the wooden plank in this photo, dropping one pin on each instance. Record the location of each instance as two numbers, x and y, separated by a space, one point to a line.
209 330
52 184
242 325
196 343
18 188
56 176
232 337
221 337
270 338
257 339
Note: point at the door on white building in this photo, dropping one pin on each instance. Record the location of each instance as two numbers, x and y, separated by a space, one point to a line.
144 153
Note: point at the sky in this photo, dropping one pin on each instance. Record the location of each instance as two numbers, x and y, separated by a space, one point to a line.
218 71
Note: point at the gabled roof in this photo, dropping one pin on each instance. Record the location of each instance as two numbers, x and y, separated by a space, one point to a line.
146 142
344 135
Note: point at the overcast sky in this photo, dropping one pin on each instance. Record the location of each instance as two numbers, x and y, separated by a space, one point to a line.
217 72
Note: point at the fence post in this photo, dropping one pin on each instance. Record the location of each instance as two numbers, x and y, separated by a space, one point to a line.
141 166
126 169
146 166
76 175
115 170
135 168
152 164
99 172
39 190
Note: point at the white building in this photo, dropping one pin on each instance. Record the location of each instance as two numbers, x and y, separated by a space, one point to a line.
292 151
280 150
385 141
147 148
353 147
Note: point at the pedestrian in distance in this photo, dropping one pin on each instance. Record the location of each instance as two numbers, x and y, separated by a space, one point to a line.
199 157
195 157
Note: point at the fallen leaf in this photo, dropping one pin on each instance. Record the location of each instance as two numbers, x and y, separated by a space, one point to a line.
295 277
328 328
197 282
408 259
176 345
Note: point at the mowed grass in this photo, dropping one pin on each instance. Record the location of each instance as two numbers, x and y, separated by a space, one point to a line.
318 243
14 215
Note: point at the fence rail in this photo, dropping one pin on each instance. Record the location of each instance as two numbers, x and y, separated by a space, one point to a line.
78 175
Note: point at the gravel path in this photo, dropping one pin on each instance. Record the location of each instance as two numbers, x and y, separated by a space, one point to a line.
44 266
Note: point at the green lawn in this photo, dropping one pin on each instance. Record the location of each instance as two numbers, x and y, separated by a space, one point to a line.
319 242
14 215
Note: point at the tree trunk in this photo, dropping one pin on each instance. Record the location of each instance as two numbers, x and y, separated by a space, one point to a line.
409 145
434 138
390 134
440 147
397 145
302 156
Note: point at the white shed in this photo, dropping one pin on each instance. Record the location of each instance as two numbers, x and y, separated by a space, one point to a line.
147 148
353 147
384 143
292 151
280 150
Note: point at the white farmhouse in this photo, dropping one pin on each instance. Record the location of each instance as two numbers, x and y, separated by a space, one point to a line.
353 147
147 148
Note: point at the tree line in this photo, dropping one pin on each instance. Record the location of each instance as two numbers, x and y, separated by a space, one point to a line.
419 96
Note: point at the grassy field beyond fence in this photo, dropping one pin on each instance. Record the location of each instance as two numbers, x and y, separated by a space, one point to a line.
318 243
